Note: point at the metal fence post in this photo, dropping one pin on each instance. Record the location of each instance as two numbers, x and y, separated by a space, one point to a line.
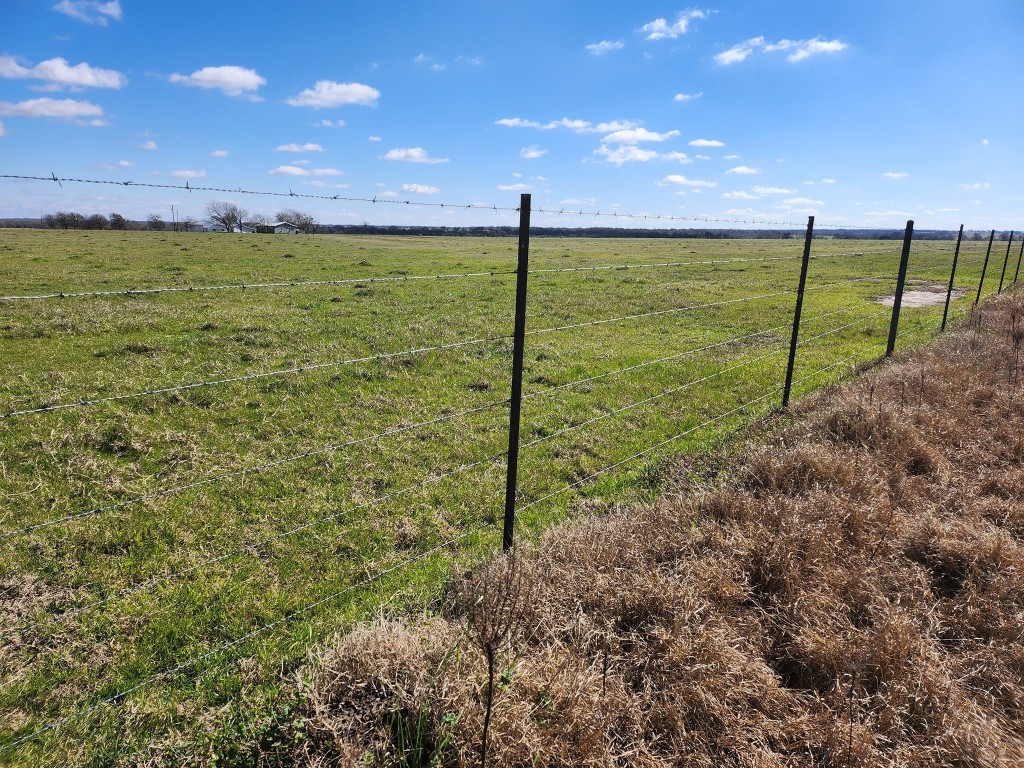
1006 261
901 280
796 314
952 275
1017 273
516 399
984 266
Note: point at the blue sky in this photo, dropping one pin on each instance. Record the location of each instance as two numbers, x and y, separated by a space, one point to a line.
863 113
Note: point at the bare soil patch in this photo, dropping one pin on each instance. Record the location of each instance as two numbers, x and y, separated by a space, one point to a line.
845 591
926 296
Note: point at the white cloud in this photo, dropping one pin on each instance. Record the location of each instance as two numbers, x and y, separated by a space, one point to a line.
514 187
473 61
828 181
886 214
984 142
117 165
91 11
219 153
702 157
420 189
739 196
579 126
3 131
188 174
895 174
327 93
294 170
308 147
802 201
732 157
634 135
677 179
744 169
423 60
744 212
323 184
773 190
707 143
330 124
412 155
148 145
532 152
231 80
687 96
605 46
628 153
59 74
374 138
799 49
975 186
660 29
65 109
739 52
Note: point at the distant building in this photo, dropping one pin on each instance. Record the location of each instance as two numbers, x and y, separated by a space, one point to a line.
279 228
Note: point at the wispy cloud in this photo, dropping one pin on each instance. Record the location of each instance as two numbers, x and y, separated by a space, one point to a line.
91 11
148 145
294 170
330 124
629 153
219 153
798 49
605 46
420 189
230 80
577 126
532 152
308 147
660 29
802 201
636 135
773 190
423 60
515 187
687 96
412 155
739 196
62 109
186 174
828 181
895 174
120 164
975 186
743 169
58 74
677 179
707 143
327 93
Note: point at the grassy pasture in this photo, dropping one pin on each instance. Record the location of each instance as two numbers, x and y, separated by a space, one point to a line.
257 537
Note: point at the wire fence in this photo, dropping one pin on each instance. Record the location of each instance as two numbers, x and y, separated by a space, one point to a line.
720 340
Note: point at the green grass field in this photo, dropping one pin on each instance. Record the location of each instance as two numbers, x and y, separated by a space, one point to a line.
174 527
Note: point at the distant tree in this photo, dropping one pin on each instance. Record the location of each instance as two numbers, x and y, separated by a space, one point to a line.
188 223
259 220
117 221
228 215
304 221
50 221
155 223
96 221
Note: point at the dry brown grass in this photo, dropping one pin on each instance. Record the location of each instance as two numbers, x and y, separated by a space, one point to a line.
848 595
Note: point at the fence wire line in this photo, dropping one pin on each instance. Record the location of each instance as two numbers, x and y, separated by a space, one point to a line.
625 267
61 722
250 548
804 342
246 471
250 377
246 286
664 393
615 214
648 450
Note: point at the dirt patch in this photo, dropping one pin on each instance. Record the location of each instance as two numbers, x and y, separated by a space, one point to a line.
923 297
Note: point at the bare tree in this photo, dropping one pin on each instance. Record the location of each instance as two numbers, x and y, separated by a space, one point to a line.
304 221
117 221
188 223
228 215
155 223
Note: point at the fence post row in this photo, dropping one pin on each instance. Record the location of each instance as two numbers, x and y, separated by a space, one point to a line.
901 280
516 398
1017 273
952 276
1006 261
984 266
799 309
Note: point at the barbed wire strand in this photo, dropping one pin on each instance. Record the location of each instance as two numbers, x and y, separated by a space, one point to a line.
246 471
809 340
250 377
61 722
251 548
